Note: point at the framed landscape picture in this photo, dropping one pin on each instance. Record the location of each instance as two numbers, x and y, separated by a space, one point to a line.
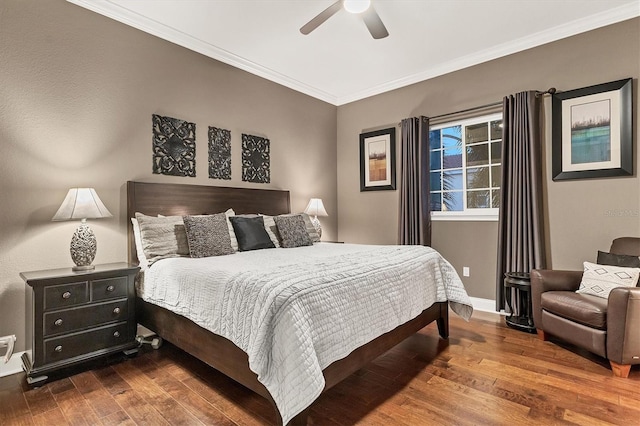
592 132
377 160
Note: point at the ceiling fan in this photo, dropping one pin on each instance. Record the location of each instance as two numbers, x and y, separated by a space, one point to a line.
362 7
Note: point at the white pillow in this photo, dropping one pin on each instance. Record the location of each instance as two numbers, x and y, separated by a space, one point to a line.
142 259
599 280
232 233
271 228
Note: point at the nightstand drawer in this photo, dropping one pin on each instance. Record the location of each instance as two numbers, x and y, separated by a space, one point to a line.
65 347
61 296
109 288
84 317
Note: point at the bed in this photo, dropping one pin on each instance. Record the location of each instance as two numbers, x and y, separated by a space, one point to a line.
220 352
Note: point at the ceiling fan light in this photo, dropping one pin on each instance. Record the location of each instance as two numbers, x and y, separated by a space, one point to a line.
356 6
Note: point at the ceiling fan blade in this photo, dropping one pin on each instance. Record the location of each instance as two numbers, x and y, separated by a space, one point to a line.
374 23
321 17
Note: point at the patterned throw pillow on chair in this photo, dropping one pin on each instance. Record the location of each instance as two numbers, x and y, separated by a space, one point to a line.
599 280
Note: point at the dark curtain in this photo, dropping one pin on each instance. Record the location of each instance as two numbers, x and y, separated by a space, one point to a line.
520 228
414 221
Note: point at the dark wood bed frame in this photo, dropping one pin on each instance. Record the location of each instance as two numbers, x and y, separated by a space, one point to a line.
216 351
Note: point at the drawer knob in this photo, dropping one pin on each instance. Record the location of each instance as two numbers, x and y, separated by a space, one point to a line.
116 310
58 322
116 334
66 295
58 348
111 288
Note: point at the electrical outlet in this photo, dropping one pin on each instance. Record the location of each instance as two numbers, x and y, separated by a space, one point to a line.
465 271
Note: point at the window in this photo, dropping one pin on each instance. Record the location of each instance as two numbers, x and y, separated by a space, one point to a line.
465 165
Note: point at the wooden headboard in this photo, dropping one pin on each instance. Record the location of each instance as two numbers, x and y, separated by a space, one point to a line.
177 199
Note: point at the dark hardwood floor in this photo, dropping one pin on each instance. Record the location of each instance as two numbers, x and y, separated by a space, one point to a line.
485 374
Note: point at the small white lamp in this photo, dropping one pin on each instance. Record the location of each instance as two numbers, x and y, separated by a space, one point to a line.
83 204
315 208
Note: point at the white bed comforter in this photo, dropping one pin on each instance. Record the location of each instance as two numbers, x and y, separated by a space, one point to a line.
295 311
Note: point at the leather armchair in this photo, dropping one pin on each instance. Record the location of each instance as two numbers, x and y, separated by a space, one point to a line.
607 327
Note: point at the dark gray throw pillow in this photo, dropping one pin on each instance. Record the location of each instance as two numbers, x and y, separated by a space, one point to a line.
293 231
250 233
624 260
208 235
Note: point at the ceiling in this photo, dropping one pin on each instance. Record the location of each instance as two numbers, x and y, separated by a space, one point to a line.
340 62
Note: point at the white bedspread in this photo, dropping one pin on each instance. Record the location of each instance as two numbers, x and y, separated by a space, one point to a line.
295 311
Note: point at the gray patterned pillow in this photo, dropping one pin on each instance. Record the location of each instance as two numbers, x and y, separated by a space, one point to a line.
208 235
293 231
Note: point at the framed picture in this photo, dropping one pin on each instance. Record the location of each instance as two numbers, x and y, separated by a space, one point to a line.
592 132
378 160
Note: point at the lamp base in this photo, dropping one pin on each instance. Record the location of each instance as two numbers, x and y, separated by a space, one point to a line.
83 268
83 247
316 224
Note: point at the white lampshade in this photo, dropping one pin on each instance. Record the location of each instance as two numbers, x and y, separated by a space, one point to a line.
81 203
315 208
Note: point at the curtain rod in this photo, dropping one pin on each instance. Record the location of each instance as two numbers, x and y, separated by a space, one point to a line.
462 111
551 91
494 104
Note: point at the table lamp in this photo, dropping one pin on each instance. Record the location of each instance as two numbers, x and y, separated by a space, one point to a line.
83 204
315 208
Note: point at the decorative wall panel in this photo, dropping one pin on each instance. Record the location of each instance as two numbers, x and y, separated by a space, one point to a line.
255 159
174 146
219 153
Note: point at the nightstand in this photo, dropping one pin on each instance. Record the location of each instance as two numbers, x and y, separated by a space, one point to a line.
73 317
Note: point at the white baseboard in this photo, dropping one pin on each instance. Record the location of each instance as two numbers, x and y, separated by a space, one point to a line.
14 365
484 305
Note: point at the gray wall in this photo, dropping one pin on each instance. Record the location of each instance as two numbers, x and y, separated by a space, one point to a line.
580 215
77 91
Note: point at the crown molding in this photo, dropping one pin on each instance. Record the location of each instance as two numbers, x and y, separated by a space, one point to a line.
125 16
589 23
150 26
